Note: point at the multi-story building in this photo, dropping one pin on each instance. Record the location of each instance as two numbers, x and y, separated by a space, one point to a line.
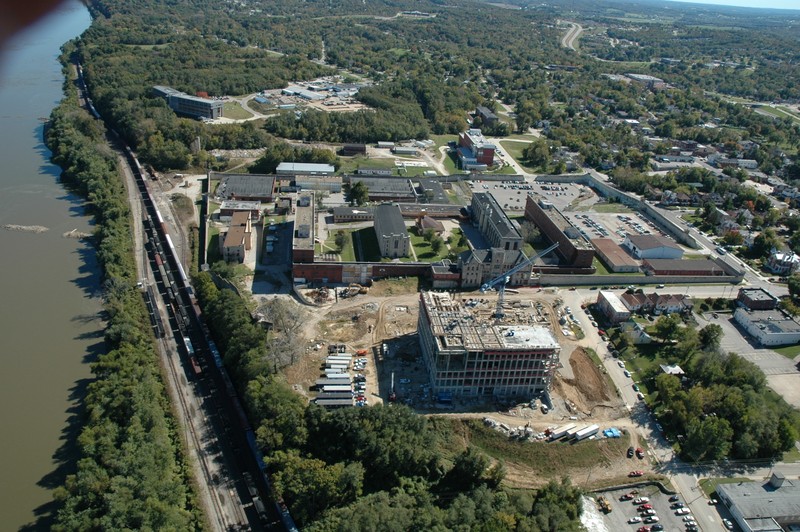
493 223
783 262
245 187
390 229
188 105
479 266
304 228
474 152
612 307
467 354
769 327
238 239
764 506
573 249
756 299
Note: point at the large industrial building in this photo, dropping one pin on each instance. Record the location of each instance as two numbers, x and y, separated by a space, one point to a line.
390 229
387 188
769 327
652 247
289 168
245 187
614 257
188 105
574 250
771 506
467 354
493 223
238 239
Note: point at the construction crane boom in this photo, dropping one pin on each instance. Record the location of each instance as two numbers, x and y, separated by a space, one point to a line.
503 279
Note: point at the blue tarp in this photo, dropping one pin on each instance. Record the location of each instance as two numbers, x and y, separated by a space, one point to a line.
612 433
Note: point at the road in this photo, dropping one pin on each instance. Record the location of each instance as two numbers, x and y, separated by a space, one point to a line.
568 41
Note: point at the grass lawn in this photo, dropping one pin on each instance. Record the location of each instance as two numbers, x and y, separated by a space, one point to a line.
350 164
443 140
789 351
347 254
641 360
514 149
610 207
423 248
450 163
709 485
600 267
235 111
549 460
396 286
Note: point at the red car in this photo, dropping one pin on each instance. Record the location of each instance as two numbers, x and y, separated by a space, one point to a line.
645 507
639 453
636 473
626 497
644 529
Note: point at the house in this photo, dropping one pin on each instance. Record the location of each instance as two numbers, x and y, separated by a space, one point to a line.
238 239
652 247
612 308
390 229
783 262
655 303
635 333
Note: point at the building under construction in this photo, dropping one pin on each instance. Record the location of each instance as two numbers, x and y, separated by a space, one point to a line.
468 354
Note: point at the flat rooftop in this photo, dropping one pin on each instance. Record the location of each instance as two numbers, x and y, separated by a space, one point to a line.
616 303
386 186
497 215
241 205
762 500
456 326
300 168
245 185
613 252
772 321
562 222
304 222
757 294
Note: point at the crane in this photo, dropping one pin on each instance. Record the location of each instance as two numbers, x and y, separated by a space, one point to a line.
506 277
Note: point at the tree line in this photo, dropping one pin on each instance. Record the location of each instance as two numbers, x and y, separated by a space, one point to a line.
131 472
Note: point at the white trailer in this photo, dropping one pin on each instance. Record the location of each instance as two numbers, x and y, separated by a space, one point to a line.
582 434
336 374
574 430
332 388
341 358
561 431
337 366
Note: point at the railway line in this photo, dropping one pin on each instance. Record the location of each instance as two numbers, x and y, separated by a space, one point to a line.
199 364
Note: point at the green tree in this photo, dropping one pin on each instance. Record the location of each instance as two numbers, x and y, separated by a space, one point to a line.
340 240
357 193
668 326
708 439
530 233
710 336
794 285
437 244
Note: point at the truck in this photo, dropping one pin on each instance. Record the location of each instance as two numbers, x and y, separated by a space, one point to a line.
571 432
337 365
561 431
584 433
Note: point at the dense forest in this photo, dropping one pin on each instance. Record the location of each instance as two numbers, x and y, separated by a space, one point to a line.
131 473
377 468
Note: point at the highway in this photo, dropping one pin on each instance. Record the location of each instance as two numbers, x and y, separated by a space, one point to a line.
568 41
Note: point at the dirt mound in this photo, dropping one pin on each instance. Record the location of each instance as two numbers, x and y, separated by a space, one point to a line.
589 387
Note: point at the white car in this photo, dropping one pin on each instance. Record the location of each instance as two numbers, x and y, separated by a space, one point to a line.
682 511
728 524
635 519
688 518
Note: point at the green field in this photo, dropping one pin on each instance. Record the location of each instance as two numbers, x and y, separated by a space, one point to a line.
347 254
350 164
789 351
709 485
235 111
423 248
514 149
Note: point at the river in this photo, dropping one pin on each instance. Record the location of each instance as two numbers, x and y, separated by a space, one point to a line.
49 317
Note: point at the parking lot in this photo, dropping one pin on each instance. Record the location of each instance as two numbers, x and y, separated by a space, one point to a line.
658 503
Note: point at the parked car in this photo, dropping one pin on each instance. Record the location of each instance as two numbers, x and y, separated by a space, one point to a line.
657 526
728 524
635 519
635 387
678 505
640 500
652 519
674 498
640 395
682 511
649 512
712 502
643 529
630 452
636 473
639 453
621 363
626 373
625 497
645 507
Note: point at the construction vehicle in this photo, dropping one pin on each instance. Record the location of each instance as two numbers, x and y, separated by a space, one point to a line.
603 504
392 394
503 279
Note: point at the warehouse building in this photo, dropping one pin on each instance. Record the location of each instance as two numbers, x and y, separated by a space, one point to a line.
764 506
467 354
353 214
696 267
574 250
493 223
324 183
245 187
614 257
652 247
287 168
304 228
390 229
188 105
769 327
228 208
387 188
